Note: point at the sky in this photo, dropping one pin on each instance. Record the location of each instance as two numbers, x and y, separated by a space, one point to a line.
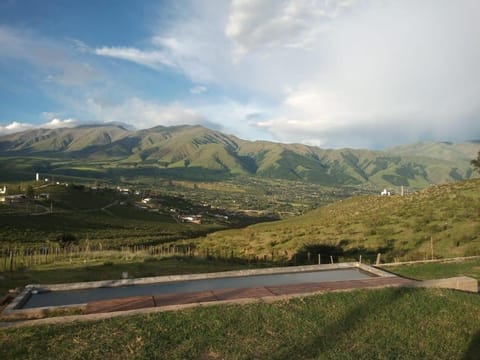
346 73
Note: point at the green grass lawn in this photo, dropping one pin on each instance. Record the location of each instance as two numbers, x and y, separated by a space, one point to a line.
438 270
392 323
369 324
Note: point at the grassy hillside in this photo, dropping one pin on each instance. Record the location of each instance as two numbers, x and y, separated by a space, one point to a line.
102 216
111 152
447 216
64 139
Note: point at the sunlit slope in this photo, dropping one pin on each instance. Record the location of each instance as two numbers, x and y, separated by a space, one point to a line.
61 140
110 149
396 226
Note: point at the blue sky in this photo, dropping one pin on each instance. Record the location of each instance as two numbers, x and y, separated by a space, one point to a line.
346 73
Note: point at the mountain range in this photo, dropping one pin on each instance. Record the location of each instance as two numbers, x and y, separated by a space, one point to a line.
188 150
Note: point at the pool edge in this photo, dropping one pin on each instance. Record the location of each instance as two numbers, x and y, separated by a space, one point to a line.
15 307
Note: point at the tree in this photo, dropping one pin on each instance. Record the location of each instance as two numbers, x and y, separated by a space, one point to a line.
476 162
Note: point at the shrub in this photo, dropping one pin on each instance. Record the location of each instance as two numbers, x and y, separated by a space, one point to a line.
67 239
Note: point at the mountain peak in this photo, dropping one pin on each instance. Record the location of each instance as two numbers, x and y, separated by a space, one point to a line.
186 147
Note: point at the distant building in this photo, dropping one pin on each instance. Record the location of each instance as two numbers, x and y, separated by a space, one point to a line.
195 219
385 192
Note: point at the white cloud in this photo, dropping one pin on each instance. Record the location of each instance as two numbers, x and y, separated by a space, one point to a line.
388 73
16 126
358 73
256 24
193 45
198 89
145 114
58 123
336 73
154 59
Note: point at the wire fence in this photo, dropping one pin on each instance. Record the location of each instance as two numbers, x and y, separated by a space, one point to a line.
18 258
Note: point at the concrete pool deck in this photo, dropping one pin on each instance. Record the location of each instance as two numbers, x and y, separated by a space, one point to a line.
231 295
102 309
18 305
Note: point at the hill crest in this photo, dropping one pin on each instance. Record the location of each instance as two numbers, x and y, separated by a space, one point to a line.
194 146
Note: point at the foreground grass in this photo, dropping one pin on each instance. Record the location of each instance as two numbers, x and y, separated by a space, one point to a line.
438 270
368 324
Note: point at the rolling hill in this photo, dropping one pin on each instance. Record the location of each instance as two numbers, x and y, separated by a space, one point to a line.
445 218
113 152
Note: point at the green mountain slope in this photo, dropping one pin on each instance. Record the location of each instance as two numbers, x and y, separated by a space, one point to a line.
185 147
446 216
61 140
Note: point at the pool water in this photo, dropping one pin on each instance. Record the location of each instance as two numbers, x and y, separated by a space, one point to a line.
71 297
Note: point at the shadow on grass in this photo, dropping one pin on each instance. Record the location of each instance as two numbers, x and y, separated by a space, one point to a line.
319 345
309 253
327 343
473 351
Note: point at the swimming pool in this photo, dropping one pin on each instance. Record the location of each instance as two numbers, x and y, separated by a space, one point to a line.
79 294
70 297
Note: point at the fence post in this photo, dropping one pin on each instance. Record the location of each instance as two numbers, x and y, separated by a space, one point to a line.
431 246
319 259
378 259
11 260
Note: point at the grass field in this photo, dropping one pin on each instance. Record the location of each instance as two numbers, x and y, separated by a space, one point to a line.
362 324
368 324
438 270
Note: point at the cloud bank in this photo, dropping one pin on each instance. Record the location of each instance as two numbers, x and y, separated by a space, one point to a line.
145 114
387 72
341 73
355 73
16 126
